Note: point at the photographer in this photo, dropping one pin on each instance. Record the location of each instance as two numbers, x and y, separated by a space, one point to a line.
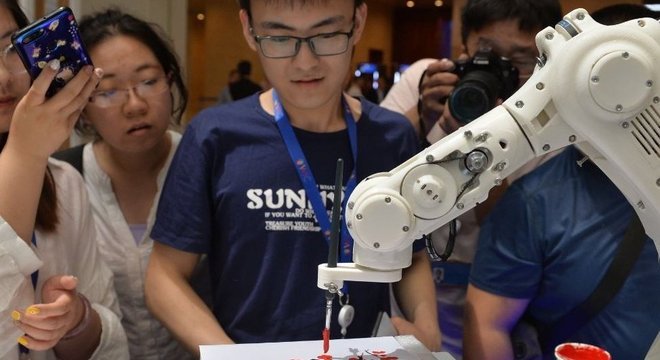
508 28
546 257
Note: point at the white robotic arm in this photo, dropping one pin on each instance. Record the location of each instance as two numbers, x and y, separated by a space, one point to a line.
595 86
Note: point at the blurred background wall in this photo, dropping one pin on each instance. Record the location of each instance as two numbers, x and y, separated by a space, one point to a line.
208 38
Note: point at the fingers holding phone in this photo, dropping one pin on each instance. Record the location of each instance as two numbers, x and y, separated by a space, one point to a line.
39 124
71 98
62 81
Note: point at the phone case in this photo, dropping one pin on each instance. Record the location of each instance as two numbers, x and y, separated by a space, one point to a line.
54 36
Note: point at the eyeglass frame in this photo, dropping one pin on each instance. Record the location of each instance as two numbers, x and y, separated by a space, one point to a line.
128 89
299 40
3 56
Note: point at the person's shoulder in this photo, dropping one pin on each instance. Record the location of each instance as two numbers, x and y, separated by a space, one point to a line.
254 85
227 115
381 115
404 94
64 173
413 74
419 66
69 183
559 171
389 125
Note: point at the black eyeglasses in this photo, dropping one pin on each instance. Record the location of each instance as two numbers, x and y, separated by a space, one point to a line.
327 44
118 96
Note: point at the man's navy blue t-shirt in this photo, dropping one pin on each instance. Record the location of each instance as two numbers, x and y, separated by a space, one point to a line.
551 238
232 192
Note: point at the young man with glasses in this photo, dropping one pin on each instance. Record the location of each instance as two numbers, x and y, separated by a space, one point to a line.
508 28
250 179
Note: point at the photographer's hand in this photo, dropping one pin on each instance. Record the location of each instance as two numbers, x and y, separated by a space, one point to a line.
435 87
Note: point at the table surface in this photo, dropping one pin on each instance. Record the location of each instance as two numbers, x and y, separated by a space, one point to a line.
414 346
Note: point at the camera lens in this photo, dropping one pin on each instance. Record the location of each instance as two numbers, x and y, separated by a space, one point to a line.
473 96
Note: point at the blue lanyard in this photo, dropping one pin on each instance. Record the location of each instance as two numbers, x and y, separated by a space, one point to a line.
307 178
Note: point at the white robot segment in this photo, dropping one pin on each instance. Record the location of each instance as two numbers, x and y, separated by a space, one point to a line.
594 86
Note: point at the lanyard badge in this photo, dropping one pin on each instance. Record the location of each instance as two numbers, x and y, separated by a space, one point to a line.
308 181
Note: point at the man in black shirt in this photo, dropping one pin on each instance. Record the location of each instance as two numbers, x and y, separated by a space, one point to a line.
244 87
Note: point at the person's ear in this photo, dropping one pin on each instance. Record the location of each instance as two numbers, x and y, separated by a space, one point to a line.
247 26
360 21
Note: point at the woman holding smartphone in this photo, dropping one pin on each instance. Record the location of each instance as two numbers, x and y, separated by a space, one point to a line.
57 298
140 96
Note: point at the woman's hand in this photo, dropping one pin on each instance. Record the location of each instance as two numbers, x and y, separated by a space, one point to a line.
45 324
40 125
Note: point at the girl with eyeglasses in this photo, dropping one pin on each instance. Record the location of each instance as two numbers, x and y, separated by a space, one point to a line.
56 295
129 116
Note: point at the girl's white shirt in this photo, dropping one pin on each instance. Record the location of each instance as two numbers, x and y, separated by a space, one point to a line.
70 250
148 338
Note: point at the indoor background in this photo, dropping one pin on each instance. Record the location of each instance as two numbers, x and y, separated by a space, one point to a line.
207 34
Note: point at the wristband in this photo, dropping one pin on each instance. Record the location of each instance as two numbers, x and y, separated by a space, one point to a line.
82 325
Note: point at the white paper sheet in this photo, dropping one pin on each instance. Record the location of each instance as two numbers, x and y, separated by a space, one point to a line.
341 349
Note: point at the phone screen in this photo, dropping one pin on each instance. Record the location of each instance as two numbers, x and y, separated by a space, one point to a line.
54 36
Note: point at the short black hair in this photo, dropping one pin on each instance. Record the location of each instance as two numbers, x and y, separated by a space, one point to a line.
532 15
103 25
245 4
614 14
244 68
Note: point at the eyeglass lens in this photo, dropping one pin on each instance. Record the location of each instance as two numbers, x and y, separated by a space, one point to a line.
144 89
321 45
12 62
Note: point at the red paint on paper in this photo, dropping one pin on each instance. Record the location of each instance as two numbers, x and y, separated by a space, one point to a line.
382 355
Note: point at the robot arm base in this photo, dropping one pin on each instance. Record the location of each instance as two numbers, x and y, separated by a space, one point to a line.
353 272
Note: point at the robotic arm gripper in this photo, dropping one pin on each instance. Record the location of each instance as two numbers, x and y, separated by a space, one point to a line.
594 86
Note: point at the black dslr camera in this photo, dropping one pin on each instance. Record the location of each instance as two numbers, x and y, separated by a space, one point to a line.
483 79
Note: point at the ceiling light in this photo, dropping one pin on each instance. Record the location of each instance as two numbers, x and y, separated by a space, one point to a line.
410 3
438 3
201 16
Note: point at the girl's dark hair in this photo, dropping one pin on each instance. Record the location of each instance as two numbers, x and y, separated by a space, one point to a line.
47 219
104 25
532 15
16 12
245 4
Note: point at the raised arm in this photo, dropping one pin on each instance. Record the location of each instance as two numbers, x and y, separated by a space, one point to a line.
39 126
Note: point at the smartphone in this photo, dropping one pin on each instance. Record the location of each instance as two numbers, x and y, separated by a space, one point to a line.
55 36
